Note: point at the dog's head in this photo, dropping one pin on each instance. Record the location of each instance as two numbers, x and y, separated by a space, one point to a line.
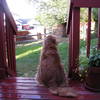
50 40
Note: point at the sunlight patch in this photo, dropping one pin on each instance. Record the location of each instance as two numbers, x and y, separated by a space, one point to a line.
27 53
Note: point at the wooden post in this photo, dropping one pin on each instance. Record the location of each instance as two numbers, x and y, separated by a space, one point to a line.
10 48
74 43
98 28
3 63
88 40
70 51
14 53
69 19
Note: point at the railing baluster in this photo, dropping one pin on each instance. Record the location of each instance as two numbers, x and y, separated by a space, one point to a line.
88 40
99 28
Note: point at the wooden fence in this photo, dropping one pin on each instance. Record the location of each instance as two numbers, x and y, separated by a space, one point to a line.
30 38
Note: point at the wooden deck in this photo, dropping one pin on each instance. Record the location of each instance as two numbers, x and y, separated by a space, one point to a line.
25 88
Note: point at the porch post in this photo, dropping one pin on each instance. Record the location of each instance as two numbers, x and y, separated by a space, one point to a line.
74 43
3 64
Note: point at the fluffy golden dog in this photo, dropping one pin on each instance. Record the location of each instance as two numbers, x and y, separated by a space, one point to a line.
51 72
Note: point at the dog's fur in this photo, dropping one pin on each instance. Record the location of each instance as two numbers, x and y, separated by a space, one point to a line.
51 72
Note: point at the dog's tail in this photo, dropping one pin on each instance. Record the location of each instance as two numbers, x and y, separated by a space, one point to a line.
64 91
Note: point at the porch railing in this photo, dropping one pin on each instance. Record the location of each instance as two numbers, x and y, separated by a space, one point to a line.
8 31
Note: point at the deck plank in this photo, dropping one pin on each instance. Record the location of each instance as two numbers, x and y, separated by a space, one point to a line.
26 88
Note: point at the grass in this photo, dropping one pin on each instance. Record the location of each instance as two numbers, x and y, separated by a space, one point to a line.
63 51
27 57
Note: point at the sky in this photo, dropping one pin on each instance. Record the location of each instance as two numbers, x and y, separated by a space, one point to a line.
22 8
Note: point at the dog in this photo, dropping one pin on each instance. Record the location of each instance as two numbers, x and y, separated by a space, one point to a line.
51 72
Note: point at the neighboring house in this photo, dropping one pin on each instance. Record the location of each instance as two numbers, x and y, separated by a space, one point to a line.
30 25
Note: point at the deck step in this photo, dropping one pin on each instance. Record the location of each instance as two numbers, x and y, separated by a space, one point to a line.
26 88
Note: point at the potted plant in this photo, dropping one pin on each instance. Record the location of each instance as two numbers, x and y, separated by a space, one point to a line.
93 72
83 65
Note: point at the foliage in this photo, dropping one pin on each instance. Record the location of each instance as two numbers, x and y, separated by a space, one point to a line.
94 60
83 61
84 15
52 12
83 65
95 14
95 18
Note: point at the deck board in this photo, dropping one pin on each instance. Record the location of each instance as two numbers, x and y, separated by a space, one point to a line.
26 88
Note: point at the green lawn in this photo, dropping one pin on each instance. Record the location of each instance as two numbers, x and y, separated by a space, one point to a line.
27 57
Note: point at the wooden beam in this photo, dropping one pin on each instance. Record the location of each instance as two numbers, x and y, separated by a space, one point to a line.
74 42
86 3
9 16
88 40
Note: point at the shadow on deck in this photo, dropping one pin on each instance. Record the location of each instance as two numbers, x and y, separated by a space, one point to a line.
26 88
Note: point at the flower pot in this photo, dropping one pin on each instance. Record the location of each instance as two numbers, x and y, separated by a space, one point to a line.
93 79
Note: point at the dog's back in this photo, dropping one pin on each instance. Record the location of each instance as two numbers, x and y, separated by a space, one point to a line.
50 71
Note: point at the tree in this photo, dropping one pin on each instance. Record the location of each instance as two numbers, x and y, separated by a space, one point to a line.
83 14
52 12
